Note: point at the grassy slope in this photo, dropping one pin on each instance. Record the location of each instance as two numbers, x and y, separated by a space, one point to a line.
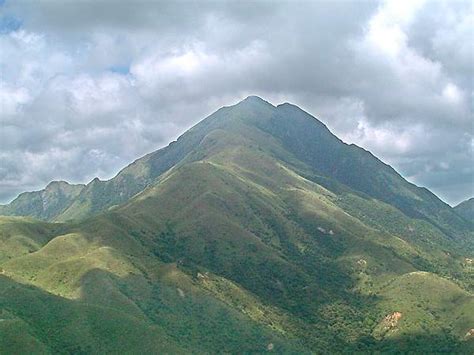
312 143
45 204
229 202
33 321
466 210
20 236
97 268
99 195
256 246
296 132
242 244
431 308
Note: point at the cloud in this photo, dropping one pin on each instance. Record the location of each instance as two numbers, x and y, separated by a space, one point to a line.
88 86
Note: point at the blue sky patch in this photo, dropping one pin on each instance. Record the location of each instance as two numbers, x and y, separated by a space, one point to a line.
120 69
9 23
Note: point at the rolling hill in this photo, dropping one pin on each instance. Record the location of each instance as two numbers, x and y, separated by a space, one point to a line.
258 230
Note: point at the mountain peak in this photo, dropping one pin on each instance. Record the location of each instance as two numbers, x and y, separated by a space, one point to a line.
62 187
286 104
255 202
56 183
255 100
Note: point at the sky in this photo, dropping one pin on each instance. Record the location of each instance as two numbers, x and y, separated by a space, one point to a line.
86 87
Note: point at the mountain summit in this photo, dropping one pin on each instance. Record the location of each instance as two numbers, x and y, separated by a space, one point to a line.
256 230
299 137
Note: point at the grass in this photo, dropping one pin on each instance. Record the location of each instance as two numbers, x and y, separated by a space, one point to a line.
21 236
234 238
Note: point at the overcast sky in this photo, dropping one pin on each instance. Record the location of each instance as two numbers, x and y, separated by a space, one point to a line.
88 86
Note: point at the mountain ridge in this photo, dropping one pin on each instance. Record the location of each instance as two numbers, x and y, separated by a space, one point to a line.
257 230
142 170
44 204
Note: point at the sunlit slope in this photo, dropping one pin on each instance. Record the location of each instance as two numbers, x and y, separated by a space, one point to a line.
258 230
426 306
99 195
213 265
288 134
20 236
296 134
165 272
250 218
97 267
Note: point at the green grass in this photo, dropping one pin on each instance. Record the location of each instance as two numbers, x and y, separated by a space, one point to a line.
252 229
115 277
21 236
45 204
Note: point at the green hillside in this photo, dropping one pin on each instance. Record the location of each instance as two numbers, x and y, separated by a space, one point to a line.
256 231
297 138
466 210
97 289
45 204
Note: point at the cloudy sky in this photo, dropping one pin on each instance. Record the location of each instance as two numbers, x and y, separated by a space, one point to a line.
88 86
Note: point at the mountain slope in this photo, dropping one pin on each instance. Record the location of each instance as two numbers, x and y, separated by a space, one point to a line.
20 236
466 209
45 204
300 137
258 230
115 294
99 195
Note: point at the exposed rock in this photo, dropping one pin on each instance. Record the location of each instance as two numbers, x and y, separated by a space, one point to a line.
390 321
202 276
362 262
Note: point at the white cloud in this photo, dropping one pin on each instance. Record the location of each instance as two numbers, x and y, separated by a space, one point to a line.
386 29
452 94
12 99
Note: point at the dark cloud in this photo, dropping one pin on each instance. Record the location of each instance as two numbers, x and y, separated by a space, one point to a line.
87 86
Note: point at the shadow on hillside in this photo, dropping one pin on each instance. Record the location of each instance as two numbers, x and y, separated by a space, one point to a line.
111 317
193 317
63 326
162 316
436 343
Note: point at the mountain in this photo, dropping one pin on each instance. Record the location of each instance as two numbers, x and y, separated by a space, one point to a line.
257 230
466 209
300 135
45 204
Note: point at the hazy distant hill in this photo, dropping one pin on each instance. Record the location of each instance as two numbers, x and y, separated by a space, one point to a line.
257 230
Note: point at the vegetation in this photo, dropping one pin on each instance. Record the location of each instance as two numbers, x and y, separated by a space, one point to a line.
258 230
45 204
466 210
